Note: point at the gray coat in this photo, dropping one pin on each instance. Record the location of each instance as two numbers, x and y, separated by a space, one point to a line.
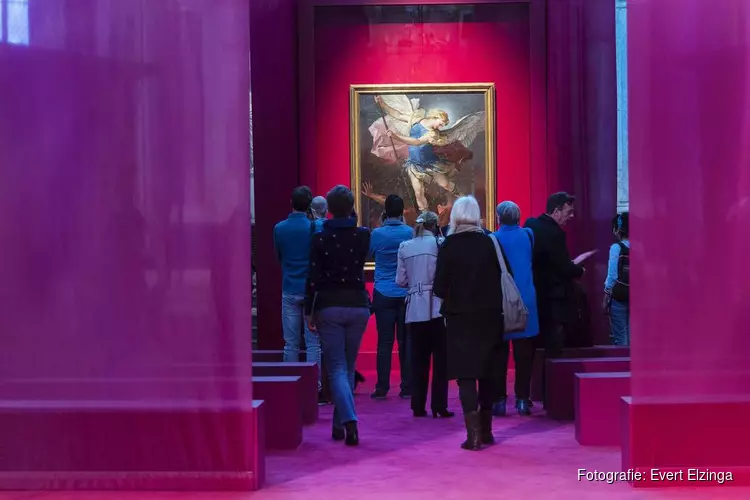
416 272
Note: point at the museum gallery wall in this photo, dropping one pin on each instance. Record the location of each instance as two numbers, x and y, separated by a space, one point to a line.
433 57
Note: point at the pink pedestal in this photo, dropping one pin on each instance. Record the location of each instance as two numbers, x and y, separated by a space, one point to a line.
308 373
272 356
597 407
281 395
687 439
597 351
561 381
69 444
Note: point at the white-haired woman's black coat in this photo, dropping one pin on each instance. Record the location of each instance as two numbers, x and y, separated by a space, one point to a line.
467 278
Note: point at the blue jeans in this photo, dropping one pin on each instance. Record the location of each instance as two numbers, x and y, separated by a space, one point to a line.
341 330
619 320
294 324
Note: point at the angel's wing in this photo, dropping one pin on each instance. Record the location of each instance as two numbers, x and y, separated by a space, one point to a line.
401 103
466 129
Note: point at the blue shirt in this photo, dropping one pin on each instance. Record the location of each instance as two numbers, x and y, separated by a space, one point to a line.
384 243
517 246
319 225
291 238
614 260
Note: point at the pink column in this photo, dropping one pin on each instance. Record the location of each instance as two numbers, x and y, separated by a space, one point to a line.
690 207
125 265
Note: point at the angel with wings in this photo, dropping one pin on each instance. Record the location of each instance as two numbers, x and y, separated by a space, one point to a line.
416 139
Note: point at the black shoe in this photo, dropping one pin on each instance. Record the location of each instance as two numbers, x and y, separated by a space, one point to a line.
419 413
352 434
358 379
473 431
379 394
322 400
442 414
485 424
524 407
338 434
499 409
404 395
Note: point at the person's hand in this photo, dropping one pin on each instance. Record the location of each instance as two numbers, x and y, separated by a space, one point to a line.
366 189
606 303
378 100
586 255
389 133
311 324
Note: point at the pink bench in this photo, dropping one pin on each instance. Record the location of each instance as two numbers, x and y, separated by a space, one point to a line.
597 351
283 429
597 407
561 381
308 374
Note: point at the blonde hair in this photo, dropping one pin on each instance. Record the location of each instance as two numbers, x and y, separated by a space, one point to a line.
465 212
425 221
439 114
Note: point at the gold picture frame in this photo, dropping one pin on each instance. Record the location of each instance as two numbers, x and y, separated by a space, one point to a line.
360 120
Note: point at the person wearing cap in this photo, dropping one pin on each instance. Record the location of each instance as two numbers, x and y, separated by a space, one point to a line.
554 271
415 272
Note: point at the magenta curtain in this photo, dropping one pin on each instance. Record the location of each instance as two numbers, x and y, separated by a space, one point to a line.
582 134
125 267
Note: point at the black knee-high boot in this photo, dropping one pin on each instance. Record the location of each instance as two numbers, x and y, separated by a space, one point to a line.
473 432
485 422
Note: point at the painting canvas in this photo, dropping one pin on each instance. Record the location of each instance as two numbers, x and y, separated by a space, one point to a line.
426 143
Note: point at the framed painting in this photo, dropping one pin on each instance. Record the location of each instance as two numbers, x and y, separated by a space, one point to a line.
427 143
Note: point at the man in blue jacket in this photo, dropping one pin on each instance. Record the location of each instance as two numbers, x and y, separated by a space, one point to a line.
389 299
291 238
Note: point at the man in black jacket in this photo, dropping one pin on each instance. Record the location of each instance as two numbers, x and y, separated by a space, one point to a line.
554 271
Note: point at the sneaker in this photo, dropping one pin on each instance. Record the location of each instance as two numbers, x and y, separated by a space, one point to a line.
379 394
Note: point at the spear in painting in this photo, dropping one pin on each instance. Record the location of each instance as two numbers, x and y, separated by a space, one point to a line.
393 145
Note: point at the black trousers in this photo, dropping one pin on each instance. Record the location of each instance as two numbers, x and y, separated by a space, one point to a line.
390 316
552 334
523 356
428 340
475 394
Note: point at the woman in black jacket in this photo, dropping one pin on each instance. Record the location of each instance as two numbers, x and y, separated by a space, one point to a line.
467 278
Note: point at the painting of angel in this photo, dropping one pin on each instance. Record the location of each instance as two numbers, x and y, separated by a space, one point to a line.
428 144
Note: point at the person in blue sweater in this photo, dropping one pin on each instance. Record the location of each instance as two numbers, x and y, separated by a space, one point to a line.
617 284
517 244
389 299
291 238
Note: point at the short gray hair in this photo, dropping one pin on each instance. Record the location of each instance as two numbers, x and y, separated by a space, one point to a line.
508 213
319 207
466 212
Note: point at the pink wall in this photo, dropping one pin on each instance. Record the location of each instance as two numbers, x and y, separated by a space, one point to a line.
690 197
124 189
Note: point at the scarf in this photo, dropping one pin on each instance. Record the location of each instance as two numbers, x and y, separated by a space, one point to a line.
465 228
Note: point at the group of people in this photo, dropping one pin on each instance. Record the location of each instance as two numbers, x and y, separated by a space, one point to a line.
438 293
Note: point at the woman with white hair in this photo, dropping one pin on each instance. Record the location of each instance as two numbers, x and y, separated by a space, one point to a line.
517 244
415 271
467 279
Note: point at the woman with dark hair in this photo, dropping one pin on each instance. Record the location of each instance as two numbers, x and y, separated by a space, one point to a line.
337 306
415 271
617 284
467 279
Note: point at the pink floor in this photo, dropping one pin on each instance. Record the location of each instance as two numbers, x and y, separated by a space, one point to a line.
405 458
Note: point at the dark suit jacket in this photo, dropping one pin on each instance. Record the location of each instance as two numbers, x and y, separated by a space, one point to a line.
554 272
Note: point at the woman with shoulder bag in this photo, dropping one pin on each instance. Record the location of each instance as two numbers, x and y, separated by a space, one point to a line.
467 279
